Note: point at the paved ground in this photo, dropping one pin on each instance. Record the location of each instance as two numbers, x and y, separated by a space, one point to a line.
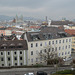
22 71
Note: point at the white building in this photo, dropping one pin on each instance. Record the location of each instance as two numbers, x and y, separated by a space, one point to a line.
47 36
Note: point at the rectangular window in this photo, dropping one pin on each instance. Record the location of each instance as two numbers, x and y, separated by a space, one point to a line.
59 48
20 52
2 59
45 43
63 41
62 53
15 64
20 58
1 53
69 46
8 58
59 41
52 42
59 54
49 50
8 53
36 59
15 58
36 44
56 42
66 40
15 53
40 58
31 52
69 40
36 51
32 60
63 47
52 49
49 42
31 44
65 53
21 64
40 51
55 48
68 52
2 64
40 44
66 47
44 50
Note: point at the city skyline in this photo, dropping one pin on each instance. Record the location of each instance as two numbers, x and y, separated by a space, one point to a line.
54 9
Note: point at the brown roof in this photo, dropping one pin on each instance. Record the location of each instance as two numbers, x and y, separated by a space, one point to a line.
61 22
13 45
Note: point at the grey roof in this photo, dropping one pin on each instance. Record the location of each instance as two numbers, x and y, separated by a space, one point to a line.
46 33
13 45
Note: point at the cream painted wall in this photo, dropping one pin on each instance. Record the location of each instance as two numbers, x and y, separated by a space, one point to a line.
44 42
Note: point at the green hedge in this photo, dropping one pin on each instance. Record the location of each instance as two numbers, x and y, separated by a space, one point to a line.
65 72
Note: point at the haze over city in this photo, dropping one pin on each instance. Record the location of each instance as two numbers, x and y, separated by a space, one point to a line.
54 9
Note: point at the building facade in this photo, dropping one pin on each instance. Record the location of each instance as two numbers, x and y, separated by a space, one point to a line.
13 53
47 36
72 33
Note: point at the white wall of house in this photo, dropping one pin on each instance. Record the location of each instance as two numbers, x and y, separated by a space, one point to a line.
65 48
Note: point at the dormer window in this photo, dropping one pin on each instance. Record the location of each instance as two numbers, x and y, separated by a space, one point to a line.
20 45
12 45
62 34
47 36
35 36
3 46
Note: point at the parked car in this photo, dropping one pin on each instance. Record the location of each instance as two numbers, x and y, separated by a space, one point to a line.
30 73
41 73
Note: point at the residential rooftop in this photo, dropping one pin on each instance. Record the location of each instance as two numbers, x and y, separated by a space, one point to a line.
46 33
13 45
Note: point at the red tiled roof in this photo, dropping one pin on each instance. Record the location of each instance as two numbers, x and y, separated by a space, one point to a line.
70 31
34 27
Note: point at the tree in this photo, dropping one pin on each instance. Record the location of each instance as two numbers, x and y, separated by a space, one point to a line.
49 55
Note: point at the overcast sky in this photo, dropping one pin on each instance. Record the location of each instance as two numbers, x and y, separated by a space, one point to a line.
54 9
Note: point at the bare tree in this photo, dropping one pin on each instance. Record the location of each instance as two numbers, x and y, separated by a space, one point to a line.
48 53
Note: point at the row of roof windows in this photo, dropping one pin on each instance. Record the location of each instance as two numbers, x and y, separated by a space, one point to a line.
10 47
36 36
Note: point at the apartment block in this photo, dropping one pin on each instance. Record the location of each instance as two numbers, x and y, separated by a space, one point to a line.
47 36
13 53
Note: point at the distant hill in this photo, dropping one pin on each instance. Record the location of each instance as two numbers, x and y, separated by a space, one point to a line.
4 17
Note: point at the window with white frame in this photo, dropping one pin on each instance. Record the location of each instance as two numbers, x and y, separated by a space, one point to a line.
31 52
32 60
59 41
59 48
36 44
36 59
31 45
40 44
